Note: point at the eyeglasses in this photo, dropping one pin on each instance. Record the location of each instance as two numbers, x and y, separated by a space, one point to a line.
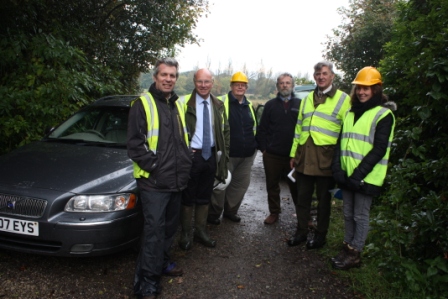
239 85
206 82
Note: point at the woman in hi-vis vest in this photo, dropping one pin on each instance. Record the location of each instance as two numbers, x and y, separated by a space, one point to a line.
361 159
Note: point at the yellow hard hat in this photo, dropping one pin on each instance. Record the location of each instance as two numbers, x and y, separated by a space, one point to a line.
239 77
368 76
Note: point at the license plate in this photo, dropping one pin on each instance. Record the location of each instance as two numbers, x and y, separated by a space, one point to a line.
18 226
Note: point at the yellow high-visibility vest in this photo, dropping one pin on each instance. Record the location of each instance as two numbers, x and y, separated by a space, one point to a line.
225 99
152 120
357 141
323 123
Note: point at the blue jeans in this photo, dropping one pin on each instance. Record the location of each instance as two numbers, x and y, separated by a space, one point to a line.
356 218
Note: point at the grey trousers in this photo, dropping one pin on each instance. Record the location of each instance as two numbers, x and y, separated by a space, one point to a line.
356 218
229 200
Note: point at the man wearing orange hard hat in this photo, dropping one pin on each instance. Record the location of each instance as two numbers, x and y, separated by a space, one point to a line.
242 151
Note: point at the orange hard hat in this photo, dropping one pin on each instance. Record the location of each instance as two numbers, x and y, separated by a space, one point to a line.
368 76
239 77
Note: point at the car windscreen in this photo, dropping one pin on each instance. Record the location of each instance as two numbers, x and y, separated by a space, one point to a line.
95 124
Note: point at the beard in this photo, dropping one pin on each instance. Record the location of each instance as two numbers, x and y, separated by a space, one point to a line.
285 92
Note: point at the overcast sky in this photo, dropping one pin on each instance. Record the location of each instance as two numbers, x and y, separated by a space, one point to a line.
282 35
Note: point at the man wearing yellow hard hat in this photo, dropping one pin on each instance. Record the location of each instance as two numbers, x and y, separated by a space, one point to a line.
243 146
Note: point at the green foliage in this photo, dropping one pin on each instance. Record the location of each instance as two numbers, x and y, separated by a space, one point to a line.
44 81
261 83
358 42
127 36
412 219
58 55
367 281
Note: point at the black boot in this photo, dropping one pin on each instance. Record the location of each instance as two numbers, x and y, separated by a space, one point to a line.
318 241
341 255
186 215
200 226
297 238
352 259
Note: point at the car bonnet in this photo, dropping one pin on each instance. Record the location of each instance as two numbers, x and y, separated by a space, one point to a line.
70 168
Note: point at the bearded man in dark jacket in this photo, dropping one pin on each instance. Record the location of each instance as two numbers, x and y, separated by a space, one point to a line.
275 135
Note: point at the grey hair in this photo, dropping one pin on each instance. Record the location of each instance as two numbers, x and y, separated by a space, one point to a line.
169 61
321 64
285 75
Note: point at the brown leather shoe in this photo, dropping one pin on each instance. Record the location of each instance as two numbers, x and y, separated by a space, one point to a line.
172 270
271 219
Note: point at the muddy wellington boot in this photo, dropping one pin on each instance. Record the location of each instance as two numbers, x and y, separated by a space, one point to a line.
186 215
200 226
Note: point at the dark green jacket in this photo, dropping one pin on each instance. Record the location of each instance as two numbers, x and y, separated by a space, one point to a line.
221 130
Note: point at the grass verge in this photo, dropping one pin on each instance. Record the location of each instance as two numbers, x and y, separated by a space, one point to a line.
366 280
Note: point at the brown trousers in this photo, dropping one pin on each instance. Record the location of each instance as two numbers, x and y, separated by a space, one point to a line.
276 168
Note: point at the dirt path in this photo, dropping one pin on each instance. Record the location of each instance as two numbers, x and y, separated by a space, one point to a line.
251 260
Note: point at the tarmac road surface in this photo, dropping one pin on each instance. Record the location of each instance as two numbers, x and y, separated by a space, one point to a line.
251 260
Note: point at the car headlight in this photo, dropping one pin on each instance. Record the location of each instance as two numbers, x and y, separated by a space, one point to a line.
101 203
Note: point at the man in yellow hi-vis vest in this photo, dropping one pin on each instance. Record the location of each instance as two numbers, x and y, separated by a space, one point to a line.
319 122
157 143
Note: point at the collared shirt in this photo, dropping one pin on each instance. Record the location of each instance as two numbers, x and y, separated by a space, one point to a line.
196 141
328 89
321 96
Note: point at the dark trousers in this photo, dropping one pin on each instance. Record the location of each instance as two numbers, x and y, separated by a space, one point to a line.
307 185
200 185
161 212
276 167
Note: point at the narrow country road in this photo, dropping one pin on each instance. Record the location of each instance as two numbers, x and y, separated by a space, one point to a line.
251 260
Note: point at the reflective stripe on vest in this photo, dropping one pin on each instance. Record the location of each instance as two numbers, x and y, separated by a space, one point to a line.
309 125
357 141
323 123
225 99
152 120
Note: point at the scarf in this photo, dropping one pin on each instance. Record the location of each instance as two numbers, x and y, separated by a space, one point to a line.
359 108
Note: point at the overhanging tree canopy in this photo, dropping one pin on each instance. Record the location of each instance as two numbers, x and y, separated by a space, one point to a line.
58 55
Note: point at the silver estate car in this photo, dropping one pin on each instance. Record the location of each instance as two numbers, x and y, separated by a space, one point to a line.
73 193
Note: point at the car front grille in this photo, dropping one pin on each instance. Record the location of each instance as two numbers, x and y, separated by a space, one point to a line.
23 206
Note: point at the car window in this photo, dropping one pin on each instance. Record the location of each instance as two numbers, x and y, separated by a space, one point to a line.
301 91
302 94
99 124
